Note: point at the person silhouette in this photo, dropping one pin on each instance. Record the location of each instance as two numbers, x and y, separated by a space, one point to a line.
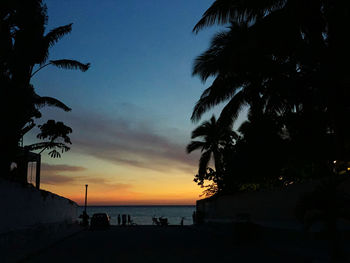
119 219
129 220
123 220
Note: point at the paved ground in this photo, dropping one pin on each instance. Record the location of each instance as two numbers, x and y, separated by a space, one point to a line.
16 245
162 244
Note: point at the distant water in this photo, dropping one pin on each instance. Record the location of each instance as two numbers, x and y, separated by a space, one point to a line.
142 215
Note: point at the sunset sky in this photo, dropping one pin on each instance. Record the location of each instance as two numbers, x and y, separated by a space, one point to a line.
131 109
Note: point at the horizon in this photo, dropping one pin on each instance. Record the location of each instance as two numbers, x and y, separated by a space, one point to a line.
132 205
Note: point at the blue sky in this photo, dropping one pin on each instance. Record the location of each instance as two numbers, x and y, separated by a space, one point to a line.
141 54
131 109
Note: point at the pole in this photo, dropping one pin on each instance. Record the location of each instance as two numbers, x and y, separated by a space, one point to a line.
86 187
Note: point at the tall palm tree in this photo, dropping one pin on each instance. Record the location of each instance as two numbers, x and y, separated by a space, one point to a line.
214 137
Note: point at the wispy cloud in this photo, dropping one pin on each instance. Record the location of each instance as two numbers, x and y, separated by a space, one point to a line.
56 179
63 174
132 137
130 142
61 168
52 174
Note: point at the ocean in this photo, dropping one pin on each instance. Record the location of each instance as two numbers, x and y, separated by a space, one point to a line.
142 215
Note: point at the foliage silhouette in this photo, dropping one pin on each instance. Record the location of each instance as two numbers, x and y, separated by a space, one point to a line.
287 62
24 51
53 131
214 138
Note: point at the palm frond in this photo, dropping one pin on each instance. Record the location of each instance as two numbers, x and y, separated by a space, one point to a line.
194 145
222 89
212 61
49 101
203 129
36 146
46 145
224 11
57 33
230 112
51 39
221 11
70 64
223 53
54 154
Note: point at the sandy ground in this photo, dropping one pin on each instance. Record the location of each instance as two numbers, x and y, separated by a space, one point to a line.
175 244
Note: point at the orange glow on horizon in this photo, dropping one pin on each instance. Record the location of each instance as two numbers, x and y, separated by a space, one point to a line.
111 184
175 194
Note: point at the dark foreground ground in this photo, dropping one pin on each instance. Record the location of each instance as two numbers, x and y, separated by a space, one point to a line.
178 244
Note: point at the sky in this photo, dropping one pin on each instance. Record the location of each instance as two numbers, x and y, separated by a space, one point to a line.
131 110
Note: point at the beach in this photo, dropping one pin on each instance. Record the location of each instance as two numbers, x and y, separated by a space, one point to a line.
177 244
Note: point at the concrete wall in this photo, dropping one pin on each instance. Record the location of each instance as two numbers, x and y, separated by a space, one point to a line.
23 206
266 207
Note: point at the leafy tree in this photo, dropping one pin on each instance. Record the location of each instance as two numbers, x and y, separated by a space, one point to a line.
24 51
56 134
287 60
214 138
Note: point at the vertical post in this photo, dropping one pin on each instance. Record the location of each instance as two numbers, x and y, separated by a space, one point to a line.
86 187
37 175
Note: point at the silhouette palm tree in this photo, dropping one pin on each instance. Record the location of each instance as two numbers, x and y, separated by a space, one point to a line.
283 58
214 137
245 73
41 61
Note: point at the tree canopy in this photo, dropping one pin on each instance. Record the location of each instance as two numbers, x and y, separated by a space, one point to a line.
24 52
287 61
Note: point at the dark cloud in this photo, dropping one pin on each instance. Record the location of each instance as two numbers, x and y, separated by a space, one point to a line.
51 174
61 168
56 179
52 178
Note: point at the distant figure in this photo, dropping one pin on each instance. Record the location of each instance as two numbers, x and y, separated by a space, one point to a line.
194 217
182 221
129 220
155 221
119 219
123 220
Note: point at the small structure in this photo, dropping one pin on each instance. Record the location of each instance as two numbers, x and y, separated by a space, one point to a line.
21 172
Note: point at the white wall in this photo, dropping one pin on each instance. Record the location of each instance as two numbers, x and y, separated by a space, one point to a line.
24 207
